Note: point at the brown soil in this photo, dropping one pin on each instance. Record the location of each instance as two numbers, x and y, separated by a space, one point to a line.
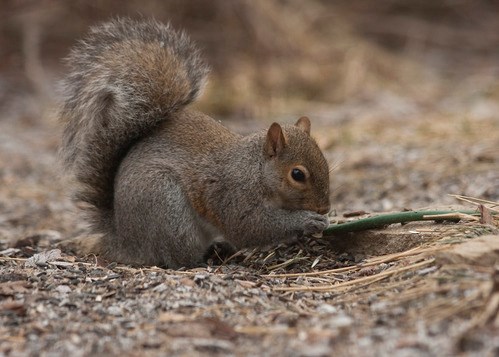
404 126
383 291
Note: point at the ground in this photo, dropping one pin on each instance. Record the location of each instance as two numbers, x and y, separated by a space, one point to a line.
406 289
404 101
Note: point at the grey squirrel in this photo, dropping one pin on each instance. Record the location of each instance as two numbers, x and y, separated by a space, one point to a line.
160 181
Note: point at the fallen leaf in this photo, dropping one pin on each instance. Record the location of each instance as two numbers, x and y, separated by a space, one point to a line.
43 258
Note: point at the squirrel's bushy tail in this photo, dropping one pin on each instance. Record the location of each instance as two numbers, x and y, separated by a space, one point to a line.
126 77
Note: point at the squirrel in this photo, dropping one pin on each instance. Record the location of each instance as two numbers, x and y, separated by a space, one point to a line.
161 182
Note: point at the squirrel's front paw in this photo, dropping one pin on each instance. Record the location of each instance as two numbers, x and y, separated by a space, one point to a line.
314 223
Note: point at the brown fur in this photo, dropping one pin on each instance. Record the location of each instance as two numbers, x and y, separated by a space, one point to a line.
162 181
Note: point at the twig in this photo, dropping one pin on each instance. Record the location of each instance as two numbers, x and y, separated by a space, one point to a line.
383 220
375 277
476 201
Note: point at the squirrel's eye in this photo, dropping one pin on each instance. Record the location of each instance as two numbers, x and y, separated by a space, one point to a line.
298 175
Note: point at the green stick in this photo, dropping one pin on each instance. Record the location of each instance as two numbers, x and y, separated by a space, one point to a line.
383 220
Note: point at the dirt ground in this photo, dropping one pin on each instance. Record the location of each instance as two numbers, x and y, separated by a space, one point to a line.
426 288
399 290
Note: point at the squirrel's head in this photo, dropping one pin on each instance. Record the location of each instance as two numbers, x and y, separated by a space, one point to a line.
295 168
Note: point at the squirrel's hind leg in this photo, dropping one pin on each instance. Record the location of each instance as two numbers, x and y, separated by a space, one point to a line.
154 222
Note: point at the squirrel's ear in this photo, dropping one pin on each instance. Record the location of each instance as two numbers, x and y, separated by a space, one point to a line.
304 124
275 141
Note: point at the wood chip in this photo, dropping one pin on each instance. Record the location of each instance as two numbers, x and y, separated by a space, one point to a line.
483 251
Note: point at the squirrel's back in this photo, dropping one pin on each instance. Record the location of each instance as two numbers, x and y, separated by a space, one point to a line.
126 77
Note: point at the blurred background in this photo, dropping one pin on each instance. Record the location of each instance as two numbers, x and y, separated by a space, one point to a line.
270 57
403 95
